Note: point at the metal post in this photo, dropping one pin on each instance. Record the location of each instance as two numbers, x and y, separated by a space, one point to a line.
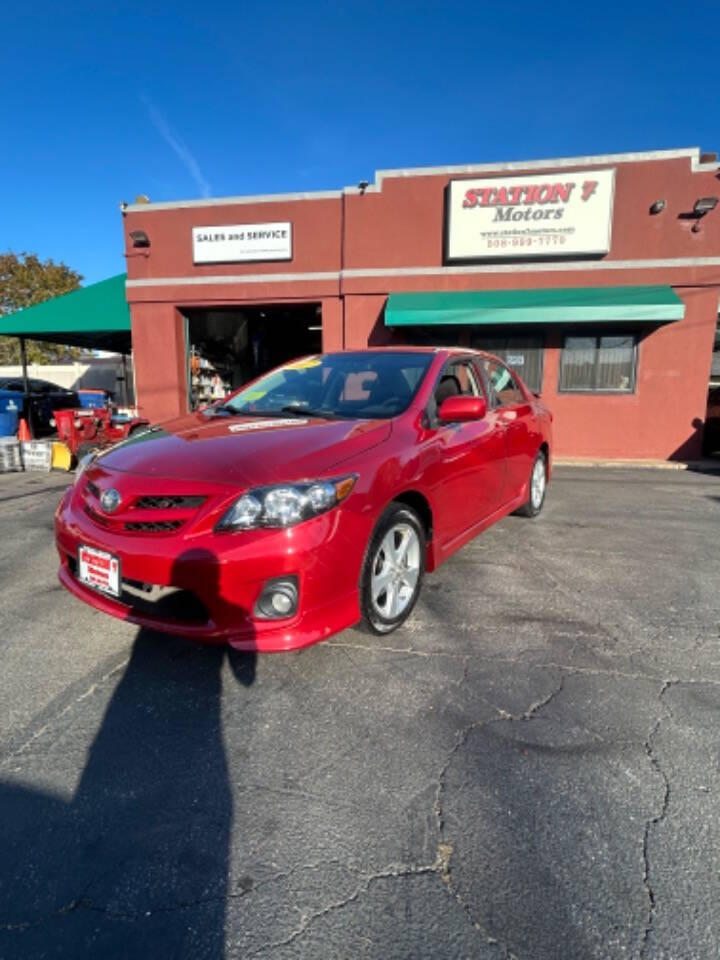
28 411
23 360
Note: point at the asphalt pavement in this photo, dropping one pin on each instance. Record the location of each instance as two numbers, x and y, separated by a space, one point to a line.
528 769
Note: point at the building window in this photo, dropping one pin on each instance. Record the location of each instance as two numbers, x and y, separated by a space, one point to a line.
599 363
523 353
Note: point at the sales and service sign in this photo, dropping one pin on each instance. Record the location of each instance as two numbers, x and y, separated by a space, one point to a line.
554 214
242 242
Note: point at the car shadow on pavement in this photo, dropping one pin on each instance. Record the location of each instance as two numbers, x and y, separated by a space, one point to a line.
136 863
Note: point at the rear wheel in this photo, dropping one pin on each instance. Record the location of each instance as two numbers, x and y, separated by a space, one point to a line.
393 570
537 488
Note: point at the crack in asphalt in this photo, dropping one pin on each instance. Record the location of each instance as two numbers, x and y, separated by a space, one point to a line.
653 822
530 664
441 867
394 871
51 721
27 924
84 902
461 739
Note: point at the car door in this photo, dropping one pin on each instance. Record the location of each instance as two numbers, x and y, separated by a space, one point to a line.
515 411
466 469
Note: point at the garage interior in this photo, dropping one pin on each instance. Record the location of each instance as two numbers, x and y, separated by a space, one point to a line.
228 346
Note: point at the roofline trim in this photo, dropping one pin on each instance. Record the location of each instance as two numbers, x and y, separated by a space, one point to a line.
232 201
692 153
336 275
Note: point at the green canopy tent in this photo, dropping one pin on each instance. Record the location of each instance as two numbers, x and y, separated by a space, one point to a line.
95 317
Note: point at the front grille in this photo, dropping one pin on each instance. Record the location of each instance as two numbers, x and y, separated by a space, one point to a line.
169 503
159 526
156 504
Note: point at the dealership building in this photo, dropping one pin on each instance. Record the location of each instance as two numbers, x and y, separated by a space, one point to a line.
597 278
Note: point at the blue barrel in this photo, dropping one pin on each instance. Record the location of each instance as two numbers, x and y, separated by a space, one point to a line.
11 404
93 398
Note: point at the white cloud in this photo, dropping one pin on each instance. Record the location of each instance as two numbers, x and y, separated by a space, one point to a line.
178 147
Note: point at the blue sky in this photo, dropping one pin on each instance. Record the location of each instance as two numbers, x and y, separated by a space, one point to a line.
106 100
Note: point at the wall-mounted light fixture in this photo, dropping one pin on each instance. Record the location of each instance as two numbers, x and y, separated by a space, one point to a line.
139 238
657 207
702 206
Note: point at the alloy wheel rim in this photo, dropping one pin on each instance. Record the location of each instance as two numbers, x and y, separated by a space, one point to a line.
395 571
537 483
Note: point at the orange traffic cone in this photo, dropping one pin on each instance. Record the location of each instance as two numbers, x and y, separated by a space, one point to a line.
23 432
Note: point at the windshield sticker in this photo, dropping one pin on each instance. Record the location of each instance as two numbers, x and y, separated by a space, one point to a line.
254 395
304 364
262 424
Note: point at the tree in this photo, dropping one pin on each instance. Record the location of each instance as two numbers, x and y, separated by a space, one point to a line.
24 281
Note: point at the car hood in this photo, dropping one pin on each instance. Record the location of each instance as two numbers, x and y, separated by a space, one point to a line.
245 451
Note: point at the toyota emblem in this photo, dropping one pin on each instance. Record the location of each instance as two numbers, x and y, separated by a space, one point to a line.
110 500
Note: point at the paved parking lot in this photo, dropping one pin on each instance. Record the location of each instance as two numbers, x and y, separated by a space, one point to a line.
528 769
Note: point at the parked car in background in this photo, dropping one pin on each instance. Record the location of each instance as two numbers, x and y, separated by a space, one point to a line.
44 398
315 497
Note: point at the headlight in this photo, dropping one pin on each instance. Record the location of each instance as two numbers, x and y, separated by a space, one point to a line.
285 505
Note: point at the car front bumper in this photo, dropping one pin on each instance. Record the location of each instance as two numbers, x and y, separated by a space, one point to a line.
222 575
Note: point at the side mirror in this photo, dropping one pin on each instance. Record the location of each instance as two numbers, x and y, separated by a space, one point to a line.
460 409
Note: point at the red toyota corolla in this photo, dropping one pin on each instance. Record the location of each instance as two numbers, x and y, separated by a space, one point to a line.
314 498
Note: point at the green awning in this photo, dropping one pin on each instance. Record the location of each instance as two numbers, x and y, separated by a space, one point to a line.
658 304
96 317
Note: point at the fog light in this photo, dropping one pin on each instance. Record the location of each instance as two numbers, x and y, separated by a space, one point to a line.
282 603
279 599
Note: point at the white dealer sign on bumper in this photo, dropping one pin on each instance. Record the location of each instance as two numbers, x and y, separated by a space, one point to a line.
555 214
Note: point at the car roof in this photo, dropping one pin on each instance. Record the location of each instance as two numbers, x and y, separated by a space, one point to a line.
411 348
449 351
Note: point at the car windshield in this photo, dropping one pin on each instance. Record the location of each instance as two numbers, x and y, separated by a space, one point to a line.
342 385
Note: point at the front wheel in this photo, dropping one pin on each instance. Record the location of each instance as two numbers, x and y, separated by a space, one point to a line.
393 570
537 488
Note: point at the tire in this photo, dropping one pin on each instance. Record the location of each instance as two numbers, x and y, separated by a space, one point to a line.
384 610
537 488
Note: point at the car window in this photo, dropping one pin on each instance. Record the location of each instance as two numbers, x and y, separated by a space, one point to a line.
503 384
458 378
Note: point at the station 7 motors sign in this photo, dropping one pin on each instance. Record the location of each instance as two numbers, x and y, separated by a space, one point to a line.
553 215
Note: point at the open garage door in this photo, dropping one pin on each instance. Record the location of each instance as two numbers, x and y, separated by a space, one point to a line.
228 346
